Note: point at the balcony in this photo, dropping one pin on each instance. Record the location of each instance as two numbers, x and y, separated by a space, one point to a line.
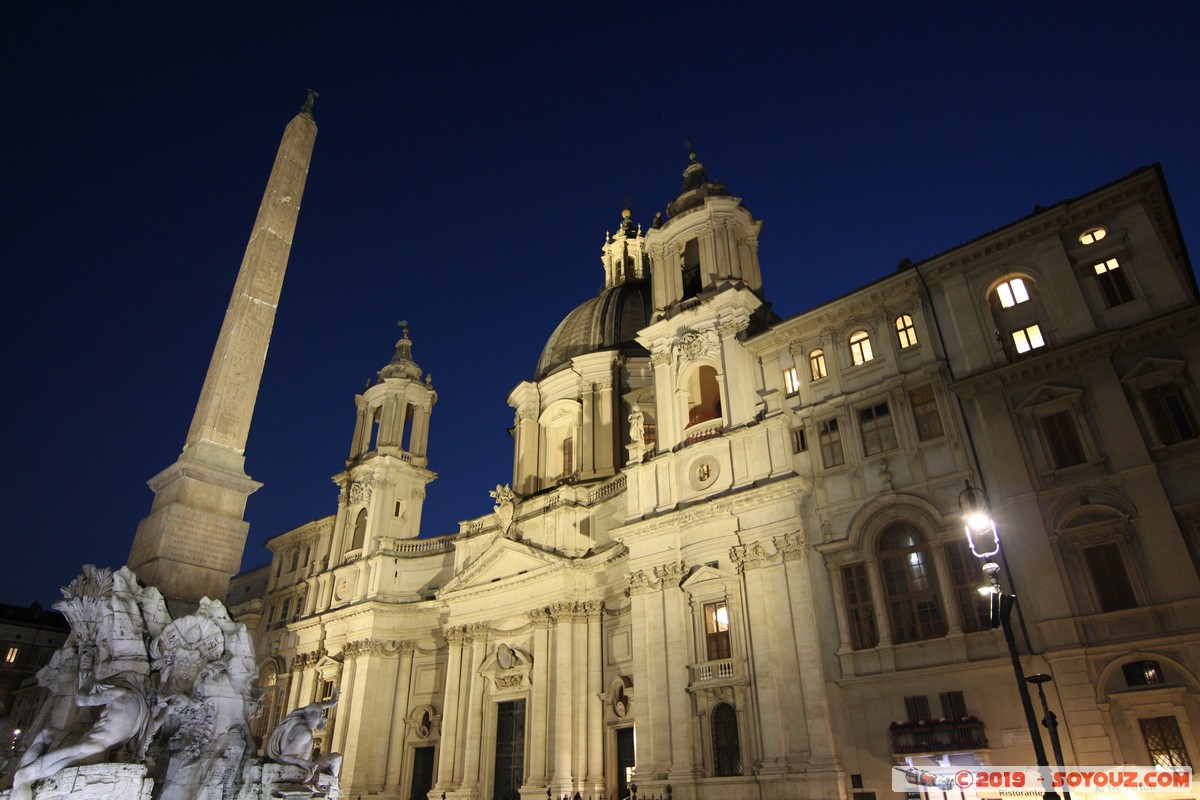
937 736
722 672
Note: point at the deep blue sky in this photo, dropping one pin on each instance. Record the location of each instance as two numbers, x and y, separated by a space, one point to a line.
468 164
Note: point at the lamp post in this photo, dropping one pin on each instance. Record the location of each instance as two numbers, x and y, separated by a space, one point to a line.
1050 721
985 544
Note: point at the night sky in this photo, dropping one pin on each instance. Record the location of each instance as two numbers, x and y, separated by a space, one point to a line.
468 164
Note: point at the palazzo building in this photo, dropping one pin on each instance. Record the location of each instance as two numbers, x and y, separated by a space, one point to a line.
730 561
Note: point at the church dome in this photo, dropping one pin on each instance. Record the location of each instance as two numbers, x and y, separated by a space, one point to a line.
608 321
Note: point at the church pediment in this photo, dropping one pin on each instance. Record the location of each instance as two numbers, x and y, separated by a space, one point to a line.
700 575
503 559
1048 393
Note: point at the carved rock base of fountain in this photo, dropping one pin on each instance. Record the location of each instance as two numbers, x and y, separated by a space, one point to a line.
97 782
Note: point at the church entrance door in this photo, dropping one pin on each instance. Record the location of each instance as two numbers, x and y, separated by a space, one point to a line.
510 750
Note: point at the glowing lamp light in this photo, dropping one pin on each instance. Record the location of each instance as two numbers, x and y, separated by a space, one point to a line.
980 527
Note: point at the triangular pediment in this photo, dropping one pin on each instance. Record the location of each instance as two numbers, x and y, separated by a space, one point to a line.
702 574
1048 393
504 558
1153 367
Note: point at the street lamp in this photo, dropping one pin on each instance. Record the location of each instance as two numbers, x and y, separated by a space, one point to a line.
985 543
1050 721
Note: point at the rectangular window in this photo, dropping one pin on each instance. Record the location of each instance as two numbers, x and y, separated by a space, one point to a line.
1027 339
925 413
917 708
859 611
10 655
1112 281
1169 413
1109 577
1062 439
716 630
875 425
954 707
791 381
283 613
568 457
799 440
967 577
1164 741
831 443
1142 673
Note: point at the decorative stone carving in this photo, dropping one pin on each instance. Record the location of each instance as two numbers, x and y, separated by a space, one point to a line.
195 723
637 427
693 345
505 508
292 741
360 492
640 582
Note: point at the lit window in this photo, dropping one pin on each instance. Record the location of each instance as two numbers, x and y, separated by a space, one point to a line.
1027 339
878 433
1113 283
1164 741
10 656
360 531
1142 673
816 364
716 630
860 347
1092 235
910 585
1012 292
831 443
925 413
791 381
905 331
859 610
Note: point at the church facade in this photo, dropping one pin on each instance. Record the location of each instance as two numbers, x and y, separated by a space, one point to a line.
731 562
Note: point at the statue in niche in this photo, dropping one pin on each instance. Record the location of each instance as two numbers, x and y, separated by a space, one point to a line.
292 741
637 427
505 508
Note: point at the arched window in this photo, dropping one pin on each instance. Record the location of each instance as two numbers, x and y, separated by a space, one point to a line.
816 364
704 395
860 347
1015 314
910 585
906 332
360 531
727 749
1093 235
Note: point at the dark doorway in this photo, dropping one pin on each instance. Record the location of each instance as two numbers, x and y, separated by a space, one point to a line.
625 761
422 774
510 750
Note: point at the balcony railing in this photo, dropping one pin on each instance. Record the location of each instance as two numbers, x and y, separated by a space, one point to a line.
938 736
723 670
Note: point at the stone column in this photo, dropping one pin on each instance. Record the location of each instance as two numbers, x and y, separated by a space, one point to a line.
564 618
397 731
475 699
650 676
587 433
347 703
807 653
604 422
883 620
539 711
677 623
447 755
595 706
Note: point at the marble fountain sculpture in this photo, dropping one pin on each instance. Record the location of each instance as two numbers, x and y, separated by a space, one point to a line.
141 706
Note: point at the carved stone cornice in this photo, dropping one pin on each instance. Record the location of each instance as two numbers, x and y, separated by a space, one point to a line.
456 636
671 572
479 631
540 618
791 545
661 358
733 327
753 556
641 583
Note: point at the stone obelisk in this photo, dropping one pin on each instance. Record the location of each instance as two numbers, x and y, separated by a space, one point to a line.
191 543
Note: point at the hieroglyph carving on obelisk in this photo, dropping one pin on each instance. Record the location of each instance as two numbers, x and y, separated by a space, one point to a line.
192 540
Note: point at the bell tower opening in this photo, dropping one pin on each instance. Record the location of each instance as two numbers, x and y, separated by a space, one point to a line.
704 395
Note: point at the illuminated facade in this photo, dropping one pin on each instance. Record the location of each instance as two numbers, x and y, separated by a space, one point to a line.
731 560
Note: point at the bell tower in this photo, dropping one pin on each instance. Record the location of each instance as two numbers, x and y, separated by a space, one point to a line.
709 243
383 487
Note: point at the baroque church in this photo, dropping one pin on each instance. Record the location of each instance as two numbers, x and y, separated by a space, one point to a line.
731 563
